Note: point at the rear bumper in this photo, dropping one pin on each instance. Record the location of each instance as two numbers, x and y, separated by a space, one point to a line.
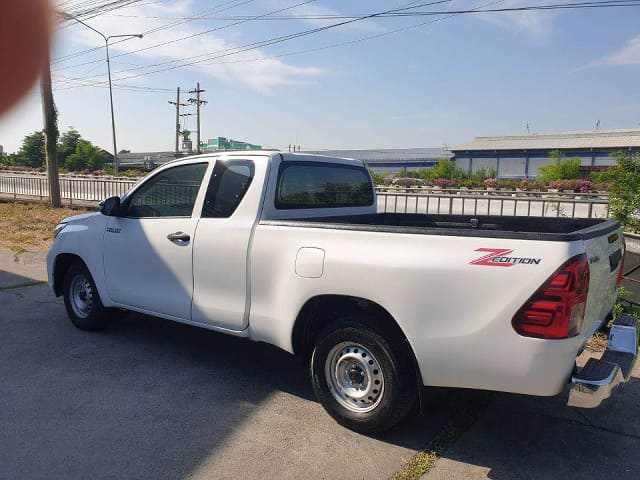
597 380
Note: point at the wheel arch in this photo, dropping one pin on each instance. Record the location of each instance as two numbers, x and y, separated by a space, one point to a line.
60 267
319 311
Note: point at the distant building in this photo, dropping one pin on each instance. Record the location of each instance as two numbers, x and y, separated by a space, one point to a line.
391 160
223 143
520 156
146 160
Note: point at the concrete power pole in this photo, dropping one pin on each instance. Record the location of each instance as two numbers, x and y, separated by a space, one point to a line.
50 136
198 102
178 105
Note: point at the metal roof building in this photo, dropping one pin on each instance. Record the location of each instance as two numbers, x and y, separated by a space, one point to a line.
147 159
519 156
391 160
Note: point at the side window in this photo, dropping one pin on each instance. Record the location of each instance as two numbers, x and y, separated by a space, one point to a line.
229 182
322 185
171 193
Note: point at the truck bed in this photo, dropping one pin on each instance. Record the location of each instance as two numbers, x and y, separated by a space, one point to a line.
489 226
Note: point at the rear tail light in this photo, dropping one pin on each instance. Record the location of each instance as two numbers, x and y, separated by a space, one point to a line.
557 309
621 266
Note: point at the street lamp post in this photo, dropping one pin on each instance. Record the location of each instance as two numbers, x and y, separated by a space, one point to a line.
106 38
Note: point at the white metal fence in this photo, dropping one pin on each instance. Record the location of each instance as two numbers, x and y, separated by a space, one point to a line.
390 199
87 189
483 202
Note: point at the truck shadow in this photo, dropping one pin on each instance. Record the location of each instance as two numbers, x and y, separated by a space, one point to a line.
529 437
149 398
13 280
249 371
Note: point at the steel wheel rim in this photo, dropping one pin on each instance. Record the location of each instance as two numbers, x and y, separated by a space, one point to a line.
354 377
81 297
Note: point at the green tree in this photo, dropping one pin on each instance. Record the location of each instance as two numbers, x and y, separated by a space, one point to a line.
378 178
624 197
31 153
67 145
86 156
560 168
10 159
445 169
123 151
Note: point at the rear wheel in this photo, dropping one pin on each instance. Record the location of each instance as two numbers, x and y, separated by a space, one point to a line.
362 380
82 301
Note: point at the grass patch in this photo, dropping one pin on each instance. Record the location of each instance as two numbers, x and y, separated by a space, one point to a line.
30 225
464 417
18 250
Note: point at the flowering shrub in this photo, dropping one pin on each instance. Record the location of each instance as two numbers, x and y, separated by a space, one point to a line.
554 185
508 183
585 186
530 185
491 183
20 168
570 185
388 180
445 182
407 182
602 187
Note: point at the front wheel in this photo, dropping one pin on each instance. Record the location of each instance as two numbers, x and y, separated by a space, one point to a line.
362 380
82 301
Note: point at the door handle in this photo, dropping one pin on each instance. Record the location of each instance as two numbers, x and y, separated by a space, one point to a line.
179 237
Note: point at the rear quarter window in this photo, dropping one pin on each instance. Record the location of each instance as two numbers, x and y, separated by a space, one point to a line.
321 185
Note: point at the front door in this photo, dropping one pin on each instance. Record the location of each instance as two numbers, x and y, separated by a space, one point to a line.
229 211
148 248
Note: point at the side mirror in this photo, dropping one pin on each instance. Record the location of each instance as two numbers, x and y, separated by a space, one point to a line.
110 207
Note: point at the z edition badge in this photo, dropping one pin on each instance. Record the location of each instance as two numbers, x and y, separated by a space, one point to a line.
500 257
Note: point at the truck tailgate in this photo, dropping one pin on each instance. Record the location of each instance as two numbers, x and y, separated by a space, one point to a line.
605 255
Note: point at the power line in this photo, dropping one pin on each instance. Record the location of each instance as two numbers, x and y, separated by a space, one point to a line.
449 14
75 83
259 44
196 34
271 41
218 7
609 3
361 39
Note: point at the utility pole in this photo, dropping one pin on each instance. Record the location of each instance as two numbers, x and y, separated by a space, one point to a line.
50 135
198 102
178 105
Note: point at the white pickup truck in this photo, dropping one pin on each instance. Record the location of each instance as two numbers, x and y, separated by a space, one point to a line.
288 249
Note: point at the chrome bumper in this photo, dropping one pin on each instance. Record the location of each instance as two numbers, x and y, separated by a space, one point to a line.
600 377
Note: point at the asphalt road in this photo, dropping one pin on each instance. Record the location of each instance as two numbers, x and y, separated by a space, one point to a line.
148 398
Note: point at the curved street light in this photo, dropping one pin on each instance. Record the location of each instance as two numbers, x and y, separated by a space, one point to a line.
106 38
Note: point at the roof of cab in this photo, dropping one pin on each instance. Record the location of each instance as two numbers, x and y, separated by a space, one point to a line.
286 156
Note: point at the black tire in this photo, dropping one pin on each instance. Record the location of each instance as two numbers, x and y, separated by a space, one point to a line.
391 359
94 316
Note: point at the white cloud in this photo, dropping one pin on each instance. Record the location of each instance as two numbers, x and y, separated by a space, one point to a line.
627 55
252 68
536 23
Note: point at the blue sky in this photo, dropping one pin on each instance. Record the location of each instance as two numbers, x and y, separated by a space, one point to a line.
442 83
